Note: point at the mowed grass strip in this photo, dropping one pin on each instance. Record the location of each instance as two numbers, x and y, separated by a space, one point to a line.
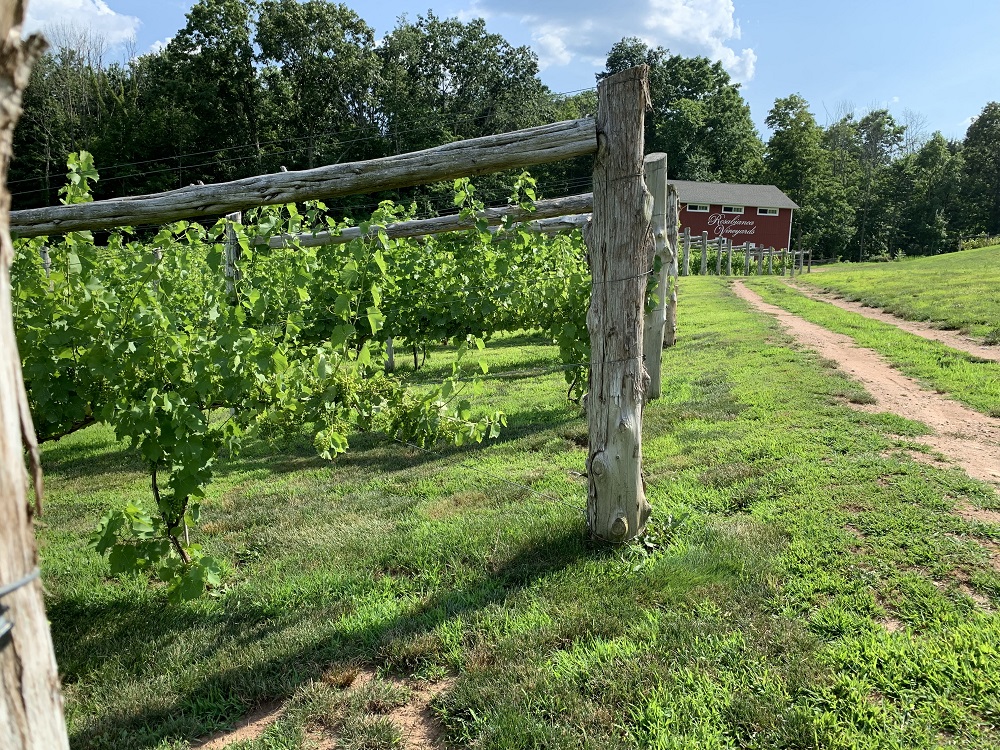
956 290
805 582
973 381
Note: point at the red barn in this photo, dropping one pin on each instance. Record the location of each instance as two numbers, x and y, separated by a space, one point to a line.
760 214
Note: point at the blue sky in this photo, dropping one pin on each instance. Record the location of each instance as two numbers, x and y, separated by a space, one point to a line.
930 58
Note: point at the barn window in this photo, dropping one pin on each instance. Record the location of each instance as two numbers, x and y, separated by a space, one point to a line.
732 209
767 212
701 208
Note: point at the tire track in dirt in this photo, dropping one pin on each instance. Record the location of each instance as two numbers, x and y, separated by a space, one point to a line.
970 439
949 338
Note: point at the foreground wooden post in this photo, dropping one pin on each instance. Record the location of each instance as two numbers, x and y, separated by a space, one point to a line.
729 258
619 244
31 716
655 170
770 261
704 254
719 248
746 259
670 326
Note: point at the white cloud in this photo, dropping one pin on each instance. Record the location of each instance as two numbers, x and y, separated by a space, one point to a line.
160 44
581 32
95 15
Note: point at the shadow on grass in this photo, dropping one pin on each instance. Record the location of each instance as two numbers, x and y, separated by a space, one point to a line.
138 634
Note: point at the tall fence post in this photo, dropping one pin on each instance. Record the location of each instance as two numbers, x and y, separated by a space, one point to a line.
770 261
784 259
704 254
729 258
686 268
232 250
760 259
619 244
718 256
670 326
31 706
655 170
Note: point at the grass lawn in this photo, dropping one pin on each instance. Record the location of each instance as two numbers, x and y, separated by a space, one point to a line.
973 381
956 290
806 583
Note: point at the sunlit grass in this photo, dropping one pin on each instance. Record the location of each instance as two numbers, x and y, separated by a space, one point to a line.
790 533
956 290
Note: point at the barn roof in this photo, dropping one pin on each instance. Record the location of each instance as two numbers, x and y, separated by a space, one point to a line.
729 194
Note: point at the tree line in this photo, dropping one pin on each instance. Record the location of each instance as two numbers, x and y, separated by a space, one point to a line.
247 88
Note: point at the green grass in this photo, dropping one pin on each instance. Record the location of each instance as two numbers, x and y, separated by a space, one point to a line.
788 530
973 381
957 290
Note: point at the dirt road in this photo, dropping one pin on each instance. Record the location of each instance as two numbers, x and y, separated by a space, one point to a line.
950 338
970 439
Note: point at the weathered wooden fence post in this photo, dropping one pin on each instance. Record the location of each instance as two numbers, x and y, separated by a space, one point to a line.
784 260
770 261
619 243
729 258
704 254
670 326
31 708
759 254
232 250
655 170
719 247
686 270
746 259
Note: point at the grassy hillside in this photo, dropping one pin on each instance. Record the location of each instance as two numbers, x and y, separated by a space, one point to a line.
805 583
957 290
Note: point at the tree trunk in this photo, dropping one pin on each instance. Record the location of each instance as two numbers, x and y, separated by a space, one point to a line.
620 245
31 715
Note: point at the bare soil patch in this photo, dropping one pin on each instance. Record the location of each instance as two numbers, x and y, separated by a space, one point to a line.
414 720
954 339
250 727
967 437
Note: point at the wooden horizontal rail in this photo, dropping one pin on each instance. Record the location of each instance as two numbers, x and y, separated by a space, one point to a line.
493 153
545 209
558 224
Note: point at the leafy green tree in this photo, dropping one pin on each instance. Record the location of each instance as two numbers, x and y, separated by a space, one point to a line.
798 163
699 117
925 193
444 80
202 95
320 72
982 170
880 139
